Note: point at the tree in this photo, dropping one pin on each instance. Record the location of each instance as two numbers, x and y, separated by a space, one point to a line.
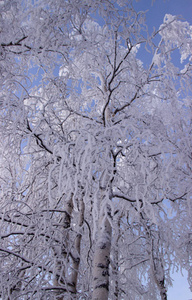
95 151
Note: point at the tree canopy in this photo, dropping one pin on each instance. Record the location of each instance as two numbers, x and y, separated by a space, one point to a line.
96 157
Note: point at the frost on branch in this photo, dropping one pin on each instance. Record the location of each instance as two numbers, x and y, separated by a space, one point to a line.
95 152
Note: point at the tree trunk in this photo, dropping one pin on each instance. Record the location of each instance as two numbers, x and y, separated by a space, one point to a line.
163 290
60 277
158 269
101 261
77 246
116 259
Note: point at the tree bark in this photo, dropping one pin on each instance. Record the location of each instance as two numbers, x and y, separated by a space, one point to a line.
60 277
77 247
116 260
158 269
101 261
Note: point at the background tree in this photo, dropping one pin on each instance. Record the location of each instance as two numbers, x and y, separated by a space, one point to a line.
96 152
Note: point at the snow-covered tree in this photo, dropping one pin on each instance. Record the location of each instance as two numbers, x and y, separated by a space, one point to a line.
95 151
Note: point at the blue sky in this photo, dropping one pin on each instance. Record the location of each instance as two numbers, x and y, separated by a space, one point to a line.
180 289
159 8
154 18
155 12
